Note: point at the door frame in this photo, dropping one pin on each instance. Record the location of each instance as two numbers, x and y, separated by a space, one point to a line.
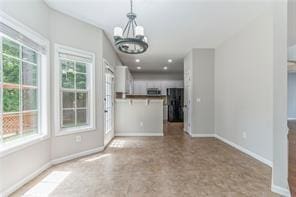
187 105
108 70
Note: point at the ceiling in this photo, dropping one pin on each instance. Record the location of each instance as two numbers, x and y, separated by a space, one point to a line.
173 27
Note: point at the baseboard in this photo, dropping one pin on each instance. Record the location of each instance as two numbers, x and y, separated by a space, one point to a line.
202 135
25 180
246 151
76 155
138 134
28 178
280 190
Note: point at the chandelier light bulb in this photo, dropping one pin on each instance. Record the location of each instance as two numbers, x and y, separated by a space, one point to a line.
118 32
139 31
145 39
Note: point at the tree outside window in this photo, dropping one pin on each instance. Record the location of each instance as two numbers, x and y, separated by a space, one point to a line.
18 90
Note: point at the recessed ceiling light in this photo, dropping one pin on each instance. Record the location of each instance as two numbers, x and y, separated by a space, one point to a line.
165 68
138 60
170 60
139 67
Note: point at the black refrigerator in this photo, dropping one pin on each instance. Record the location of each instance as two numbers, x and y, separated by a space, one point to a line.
175 104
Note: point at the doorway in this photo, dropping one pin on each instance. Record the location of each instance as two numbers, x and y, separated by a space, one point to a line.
108 103
187 102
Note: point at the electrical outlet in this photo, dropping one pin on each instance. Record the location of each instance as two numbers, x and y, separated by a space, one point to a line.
198 100
78 138
244 135
141 124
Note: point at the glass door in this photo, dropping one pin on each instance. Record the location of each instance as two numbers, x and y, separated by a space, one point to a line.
109 104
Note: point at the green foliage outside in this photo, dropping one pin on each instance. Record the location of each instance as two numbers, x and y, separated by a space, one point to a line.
11 75
10 70
80 67
69 73
80 81
10 48
11 100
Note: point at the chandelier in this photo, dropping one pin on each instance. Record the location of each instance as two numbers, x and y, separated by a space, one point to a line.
131 40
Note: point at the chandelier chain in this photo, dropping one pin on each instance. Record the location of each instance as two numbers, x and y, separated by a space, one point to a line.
131 6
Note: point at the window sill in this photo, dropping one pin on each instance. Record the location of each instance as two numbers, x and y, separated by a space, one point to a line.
20 144
69 131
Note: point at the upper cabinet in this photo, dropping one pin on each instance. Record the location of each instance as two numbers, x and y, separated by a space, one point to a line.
124 81
140 86
292 54
292 59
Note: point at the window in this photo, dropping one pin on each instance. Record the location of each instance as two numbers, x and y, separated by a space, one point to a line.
19 82
75 70
23 60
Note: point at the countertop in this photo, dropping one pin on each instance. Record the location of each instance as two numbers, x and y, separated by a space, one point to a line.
145 97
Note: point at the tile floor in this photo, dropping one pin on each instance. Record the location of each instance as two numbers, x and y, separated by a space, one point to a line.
173 165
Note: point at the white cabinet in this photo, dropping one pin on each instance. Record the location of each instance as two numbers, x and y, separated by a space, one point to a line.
130 83
140 87
154 84
124 81
292 53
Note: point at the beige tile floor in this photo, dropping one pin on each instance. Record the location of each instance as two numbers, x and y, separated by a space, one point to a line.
173 165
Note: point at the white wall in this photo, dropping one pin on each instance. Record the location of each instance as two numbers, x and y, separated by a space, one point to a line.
109 53
280 130
143 118
15 166
65 30
292 95
68 31
199 63
244 88
291 22
203 91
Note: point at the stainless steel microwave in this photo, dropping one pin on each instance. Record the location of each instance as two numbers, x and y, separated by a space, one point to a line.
153 92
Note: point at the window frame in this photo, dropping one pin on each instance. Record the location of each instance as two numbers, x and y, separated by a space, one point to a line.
43 88
90 90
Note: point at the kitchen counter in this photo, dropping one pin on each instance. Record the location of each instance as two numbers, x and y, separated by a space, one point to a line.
139 117
162 97
146 97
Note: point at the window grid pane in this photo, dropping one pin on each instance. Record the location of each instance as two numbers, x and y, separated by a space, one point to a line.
18 93
79 116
